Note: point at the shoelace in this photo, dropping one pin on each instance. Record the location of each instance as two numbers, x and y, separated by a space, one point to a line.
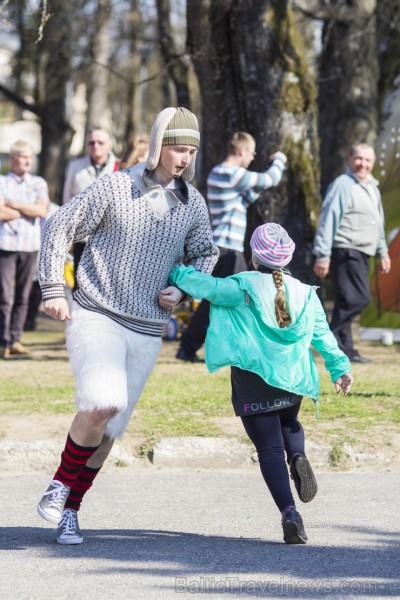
288 509
69 522
58 495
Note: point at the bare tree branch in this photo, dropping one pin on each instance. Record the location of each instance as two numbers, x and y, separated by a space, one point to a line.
19 101
44 17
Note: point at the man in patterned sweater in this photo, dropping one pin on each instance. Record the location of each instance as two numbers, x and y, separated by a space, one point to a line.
141 222
231 190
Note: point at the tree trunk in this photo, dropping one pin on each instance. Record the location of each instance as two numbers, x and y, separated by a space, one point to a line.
347 84
253 77
388 32
132 100
99 113
176 66
53 74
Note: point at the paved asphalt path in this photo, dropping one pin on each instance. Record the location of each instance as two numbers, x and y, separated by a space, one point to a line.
162 534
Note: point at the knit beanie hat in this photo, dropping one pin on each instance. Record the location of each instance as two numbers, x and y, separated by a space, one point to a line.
173 126
272 246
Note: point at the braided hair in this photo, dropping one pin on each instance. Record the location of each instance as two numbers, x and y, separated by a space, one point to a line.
281 312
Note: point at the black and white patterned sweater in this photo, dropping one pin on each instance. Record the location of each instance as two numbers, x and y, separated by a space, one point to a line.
132 248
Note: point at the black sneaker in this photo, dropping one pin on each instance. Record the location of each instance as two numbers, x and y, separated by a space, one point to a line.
293 528
303 478
183 355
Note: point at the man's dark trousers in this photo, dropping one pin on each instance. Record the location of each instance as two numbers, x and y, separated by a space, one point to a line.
349 273
193 338
16 277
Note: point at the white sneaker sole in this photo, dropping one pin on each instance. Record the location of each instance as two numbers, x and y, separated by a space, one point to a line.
47 516
70 542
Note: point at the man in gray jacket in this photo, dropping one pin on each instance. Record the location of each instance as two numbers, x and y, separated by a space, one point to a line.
350 230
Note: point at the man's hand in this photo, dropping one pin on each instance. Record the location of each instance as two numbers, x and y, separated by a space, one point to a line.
321 269
57 308
170 297
344 382
280 155
385 264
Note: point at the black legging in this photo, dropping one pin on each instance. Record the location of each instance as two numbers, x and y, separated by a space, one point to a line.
272 434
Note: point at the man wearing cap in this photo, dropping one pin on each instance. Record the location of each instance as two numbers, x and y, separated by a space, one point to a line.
350 230
141 222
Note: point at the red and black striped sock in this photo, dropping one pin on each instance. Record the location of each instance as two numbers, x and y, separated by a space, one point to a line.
73 458
82 484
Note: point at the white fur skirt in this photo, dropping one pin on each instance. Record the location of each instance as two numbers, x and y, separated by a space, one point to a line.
111 365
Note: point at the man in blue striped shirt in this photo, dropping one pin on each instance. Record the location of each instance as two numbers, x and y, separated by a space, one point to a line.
231 188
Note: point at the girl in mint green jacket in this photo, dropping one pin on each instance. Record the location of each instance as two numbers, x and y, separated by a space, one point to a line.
262 324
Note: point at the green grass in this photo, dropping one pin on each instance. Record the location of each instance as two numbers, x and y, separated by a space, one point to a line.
22 400
183 399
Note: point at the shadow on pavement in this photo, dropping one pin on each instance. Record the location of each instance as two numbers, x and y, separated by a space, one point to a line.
196 562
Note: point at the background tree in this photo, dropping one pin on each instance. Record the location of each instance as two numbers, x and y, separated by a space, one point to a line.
388 41
252 72
134 24
253 77
53 73
347 78
47 61
175 62
98 109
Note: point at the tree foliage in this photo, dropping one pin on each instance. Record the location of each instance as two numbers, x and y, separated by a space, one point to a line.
253 77
252 71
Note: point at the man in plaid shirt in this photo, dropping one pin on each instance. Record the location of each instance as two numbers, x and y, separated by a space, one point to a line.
24 201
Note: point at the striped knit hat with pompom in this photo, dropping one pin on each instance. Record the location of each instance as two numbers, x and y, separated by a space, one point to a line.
173 126
272 246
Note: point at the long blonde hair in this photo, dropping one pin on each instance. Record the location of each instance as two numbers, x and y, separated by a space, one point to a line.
136 151
282 315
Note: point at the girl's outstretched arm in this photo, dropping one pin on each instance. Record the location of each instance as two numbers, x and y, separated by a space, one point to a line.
222 292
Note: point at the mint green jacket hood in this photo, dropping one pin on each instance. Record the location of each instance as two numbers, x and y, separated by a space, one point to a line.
243 330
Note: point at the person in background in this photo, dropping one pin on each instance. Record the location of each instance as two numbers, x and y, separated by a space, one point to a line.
350 229
140 223
262 324
24 200
35 296
136 151
82 172
231 188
